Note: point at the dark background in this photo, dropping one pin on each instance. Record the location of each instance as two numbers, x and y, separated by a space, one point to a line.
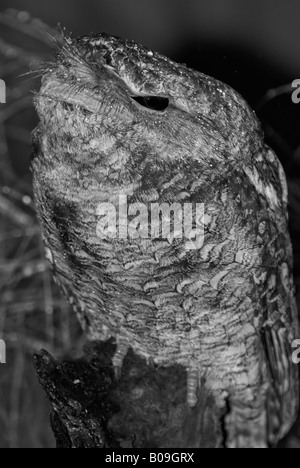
269 28
254 45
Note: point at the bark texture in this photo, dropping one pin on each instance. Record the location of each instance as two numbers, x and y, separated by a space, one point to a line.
145 408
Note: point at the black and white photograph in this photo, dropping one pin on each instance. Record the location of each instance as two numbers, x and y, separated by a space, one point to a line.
150 226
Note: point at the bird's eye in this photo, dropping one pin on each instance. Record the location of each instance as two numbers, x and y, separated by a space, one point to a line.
153 102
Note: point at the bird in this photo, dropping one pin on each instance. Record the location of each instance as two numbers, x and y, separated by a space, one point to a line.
128 143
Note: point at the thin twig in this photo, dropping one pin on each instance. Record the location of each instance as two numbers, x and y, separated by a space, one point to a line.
30 29
272 94
14 213
14 108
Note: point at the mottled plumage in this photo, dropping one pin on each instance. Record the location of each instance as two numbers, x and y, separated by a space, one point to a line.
225 311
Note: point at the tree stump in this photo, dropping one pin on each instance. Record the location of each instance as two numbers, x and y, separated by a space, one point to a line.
146 408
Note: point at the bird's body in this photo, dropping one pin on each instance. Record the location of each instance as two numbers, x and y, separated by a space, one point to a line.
223 308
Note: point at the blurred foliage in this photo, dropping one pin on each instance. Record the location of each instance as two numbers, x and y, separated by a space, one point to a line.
33 314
